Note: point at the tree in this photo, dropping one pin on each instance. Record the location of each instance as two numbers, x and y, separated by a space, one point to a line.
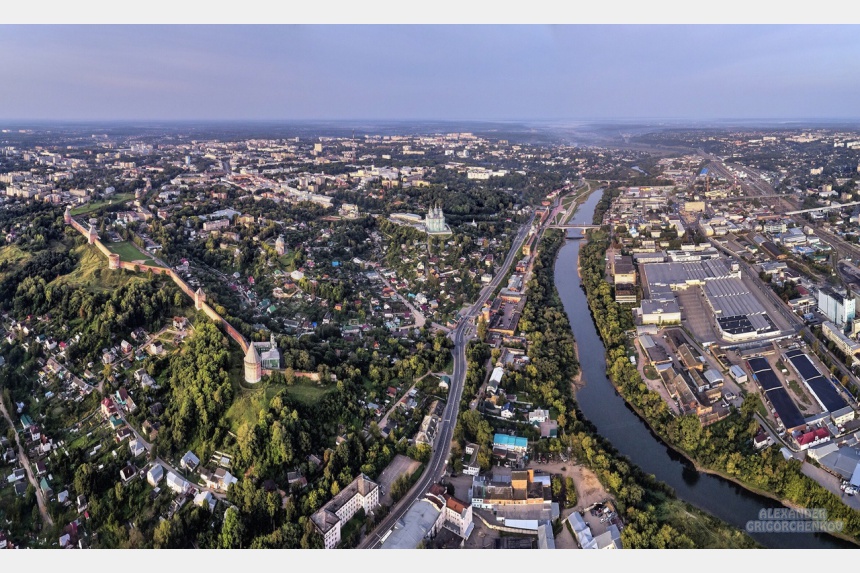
483 328
163 536
231 531
84 479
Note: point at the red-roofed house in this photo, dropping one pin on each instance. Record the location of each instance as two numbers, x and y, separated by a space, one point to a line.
813 438
108 407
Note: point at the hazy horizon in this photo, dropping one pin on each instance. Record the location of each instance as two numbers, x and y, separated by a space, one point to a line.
492 73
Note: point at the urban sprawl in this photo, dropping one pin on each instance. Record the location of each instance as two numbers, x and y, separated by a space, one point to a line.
328 341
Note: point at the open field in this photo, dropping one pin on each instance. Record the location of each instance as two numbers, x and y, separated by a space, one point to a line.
129 253
96 205
307 391
248 403
12 254
93 274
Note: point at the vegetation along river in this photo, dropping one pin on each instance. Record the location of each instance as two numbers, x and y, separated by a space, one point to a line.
618 423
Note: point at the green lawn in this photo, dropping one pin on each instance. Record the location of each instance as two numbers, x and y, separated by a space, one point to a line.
96 205
248 403
307 391
12 254
92 272
246 408
128 252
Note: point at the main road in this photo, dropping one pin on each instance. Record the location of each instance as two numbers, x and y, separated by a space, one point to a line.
461 335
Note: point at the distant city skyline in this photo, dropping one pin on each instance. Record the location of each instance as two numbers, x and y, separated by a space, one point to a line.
424 72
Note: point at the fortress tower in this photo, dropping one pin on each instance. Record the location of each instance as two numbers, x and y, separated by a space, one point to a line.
92 234
253 366
199 298
113 261
67 216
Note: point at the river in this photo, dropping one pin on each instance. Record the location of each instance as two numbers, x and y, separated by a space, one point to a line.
618 423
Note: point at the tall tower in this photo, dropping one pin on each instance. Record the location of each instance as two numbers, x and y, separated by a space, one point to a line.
67 216
92 234
199 299
253 366
279 245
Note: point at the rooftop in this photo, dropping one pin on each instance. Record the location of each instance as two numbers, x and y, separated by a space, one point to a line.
326 517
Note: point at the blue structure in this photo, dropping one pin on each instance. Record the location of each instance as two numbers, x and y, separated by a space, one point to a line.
510 443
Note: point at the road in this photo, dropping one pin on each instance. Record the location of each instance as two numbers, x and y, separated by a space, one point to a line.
831 483
420 319
25 463
461 335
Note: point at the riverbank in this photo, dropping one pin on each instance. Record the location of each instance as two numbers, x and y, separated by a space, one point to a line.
653 515
721 449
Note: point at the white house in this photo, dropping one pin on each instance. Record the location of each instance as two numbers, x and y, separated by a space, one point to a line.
537 416
189 461
155 474
205 499
176 483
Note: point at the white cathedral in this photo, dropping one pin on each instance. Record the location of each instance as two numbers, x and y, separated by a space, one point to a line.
434 222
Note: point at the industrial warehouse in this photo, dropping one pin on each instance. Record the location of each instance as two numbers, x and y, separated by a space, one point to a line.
738 314
788 414
821 388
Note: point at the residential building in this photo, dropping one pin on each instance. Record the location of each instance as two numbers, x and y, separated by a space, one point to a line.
362 493
176 483
155 474
846 345
189 461
537 416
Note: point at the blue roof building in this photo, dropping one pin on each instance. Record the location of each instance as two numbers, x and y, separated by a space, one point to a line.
510 443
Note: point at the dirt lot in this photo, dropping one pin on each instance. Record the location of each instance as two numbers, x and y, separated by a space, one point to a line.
482 536
588 492
399 465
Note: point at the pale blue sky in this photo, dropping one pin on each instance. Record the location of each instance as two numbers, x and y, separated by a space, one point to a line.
457 72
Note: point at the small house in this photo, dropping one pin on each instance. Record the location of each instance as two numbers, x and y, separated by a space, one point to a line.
176 483
127 473
154 475
189 461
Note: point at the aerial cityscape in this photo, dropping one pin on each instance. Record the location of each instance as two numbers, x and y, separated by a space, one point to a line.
440 331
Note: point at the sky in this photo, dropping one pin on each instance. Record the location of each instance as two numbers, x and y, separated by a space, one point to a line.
428 72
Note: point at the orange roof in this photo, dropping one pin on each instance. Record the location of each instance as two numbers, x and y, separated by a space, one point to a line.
455 504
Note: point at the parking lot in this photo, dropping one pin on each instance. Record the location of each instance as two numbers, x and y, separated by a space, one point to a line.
600 516
399 465
696 315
